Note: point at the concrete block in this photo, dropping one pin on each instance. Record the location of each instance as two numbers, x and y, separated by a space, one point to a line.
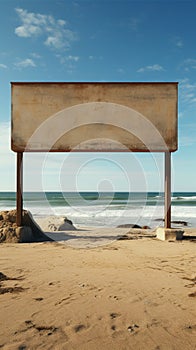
169 234
24 234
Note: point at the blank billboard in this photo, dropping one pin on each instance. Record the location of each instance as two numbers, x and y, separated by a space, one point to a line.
112 117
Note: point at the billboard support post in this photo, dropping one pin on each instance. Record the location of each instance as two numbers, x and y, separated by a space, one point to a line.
19 180
167 189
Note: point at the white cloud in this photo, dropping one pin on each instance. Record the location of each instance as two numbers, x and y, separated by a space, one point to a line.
59 39
32 23
187 91
35 55
178 42
3 66
187 140
91 57
53 31
28 62
154 67
189 64
68 61
73 58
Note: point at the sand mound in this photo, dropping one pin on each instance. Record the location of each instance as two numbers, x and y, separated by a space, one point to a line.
55 223
10 233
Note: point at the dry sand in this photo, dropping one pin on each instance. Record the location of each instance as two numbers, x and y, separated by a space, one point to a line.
124 295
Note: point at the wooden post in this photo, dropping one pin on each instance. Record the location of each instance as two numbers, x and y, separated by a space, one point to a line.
167 189
19 200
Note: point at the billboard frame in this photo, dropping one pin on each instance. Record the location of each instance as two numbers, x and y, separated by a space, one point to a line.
167 153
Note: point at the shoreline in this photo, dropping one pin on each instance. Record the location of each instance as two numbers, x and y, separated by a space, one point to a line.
93 220
107 208
81 236
61 229
42 220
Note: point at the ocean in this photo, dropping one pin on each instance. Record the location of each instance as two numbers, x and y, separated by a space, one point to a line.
106 209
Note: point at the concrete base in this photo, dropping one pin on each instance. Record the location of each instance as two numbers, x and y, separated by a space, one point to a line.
24 234
169 234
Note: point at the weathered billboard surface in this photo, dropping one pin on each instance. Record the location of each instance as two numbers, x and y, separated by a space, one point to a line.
63 117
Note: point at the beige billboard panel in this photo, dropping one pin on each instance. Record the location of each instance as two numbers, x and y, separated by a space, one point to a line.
63 117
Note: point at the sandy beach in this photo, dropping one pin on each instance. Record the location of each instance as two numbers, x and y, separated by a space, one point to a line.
122 294
97 169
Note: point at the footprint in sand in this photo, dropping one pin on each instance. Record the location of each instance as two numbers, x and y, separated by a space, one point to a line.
67 300
190 285
4 290
15 289
44 330
192 280
22 347
79 328
114 315
133 328
113 297
191 328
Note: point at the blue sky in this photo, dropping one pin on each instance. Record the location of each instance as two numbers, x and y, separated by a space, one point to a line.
109 40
